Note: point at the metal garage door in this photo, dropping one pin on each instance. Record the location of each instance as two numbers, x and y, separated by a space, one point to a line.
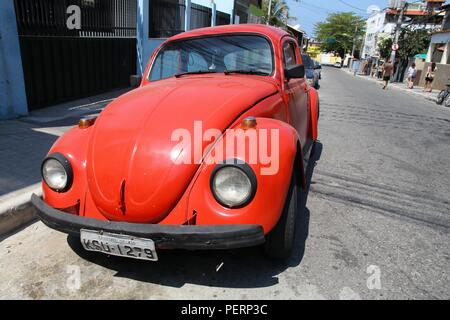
61 64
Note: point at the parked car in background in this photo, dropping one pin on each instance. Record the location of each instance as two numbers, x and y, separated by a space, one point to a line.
318 68
312 75
136 179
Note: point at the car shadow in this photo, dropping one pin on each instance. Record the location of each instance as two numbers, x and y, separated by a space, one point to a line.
238 268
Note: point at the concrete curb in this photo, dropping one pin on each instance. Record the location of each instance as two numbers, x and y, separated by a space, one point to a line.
16 209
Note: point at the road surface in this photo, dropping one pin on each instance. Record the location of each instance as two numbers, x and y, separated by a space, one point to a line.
376 223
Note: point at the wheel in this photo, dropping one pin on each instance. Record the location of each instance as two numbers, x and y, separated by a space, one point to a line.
447 101
441 96
280 240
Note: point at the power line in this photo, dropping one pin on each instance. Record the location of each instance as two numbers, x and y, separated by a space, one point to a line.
310 5
351 6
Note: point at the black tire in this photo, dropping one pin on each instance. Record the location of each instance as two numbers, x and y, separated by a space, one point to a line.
280 241
441 97
447 101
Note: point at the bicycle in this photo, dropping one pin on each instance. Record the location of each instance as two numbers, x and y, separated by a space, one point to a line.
444 97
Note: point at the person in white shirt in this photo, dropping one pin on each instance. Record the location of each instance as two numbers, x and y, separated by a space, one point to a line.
412 73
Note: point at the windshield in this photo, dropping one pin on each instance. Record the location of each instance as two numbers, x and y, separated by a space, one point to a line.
244 53
307 61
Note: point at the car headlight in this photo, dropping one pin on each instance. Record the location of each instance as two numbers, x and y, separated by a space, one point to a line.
233 185
57 172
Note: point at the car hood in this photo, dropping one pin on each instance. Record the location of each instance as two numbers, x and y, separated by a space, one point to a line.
131 163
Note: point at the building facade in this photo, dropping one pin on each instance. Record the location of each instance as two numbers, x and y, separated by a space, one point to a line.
439 53
382 24
439 50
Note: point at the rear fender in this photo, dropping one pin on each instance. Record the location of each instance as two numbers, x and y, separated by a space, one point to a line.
314 112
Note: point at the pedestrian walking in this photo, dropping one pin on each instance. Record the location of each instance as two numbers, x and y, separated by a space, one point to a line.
387 73
429 77
412 73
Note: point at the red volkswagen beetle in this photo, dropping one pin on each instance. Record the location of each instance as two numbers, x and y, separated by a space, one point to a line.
208 151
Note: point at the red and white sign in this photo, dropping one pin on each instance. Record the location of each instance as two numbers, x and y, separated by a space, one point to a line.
395 47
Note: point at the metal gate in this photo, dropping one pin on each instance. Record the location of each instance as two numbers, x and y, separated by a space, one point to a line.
61 64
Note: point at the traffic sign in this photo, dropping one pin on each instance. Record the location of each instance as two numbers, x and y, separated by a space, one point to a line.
395 47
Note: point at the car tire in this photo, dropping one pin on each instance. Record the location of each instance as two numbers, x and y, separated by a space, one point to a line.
280 241
441 97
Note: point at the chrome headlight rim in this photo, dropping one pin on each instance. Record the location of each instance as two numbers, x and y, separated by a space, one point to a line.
247 170
67 167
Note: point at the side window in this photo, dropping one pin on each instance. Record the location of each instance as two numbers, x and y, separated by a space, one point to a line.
289 56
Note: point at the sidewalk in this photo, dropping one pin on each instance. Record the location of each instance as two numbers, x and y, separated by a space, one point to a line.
24 143
431 96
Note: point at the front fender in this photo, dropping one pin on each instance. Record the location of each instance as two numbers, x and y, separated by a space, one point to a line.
73 145
273 177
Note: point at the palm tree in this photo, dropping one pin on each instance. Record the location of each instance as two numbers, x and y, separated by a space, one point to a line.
279 13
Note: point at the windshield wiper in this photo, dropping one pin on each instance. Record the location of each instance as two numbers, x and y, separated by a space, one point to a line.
194 72
253 72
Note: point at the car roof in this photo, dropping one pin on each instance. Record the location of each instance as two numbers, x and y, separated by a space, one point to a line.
272 32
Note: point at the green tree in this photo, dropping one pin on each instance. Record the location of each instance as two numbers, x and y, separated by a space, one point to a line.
340 31
279 13
412 42
385 47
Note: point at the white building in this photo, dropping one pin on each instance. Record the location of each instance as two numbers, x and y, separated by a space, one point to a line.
382 24
439 50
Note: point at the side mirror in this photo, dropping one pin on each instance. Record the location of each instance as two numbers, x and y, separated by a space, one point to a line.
294 72
135 81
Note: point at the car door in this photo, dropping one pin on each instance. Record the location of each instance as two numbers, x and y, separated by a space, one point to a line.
296 91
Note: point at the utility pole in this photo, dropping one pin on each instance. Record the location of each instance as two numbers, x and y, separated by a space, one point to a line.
398 29
270 12
350 64
354 41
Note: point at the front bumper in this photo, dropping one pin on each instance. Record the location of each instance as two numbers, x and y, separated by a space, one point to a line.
165 236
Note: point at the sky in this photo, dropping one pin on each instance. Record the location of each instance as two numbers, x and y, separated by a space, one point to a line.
308 12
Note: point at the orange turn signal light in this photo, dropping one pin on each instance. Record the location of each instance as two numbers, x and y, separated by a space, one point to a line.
87 122
249 123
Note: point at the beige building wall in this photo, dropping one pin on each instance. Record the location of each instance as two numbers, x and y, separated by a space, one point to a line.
442 77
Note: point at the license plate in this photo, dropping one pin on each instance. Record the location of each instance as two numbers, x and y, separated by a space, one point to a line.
118 245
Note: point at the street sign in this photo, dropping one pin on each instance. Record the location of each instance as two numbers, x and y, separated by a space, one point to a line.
395 47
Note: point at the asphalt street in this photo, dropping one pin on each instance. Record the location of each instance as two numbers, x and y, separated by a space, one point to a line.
375 226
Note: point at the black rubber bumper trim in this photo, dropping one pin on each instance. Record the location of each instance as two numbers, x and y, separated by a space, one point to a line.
165 236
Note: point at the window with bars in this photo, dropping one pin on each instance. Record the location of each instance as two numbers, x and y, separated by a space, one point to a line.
167 18
200 16
222 18
105 18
